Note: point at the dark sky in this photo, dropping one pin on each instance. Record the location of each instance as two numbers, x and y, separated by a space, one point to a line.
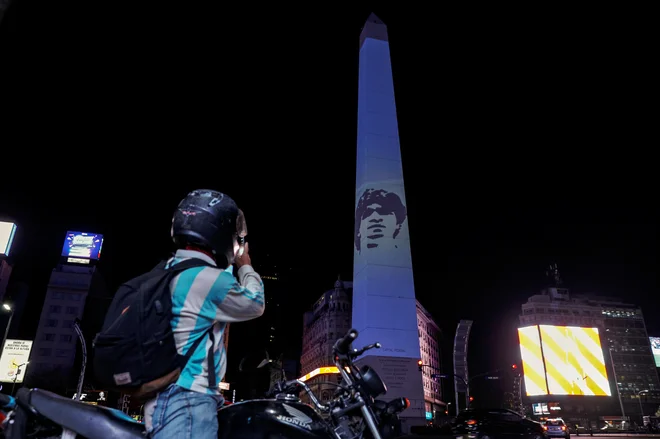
527 138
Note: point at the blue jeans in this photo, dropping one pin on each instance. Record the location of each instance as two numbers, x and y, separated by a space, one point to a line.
183 414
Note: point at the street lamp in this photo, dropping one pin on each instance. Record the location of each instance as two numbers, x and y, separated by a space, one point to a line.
7 307
639 397
465 382
81 378
618 391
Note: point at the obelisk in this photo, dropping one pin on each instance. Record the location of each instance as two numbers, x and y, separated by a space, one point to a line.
384 307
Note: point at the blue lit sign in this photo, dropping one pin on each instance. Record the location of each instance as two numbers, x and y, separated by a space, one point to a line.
82 245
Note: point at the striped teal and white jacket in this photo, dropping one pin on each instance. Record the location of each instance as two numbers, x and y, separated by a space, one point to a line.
206 296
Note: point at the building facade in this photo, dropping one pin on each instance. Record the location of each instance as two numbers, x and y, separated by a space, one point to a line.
429 353
5 273
626 349
331 317
55 343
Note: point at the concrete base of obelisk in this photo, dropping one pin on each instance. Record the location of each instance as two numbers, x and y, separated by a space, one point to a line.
403 379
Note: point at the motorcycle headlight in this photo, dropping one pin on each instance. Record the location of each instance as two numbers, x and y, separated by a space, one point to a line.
372 382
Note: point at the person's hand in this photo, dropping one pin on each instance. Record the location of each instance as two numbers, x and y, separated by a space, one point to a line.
243 259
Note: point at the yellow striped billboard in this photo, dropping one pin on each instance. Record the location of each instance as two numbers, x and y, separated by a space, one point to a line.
574 361
532 361
563 360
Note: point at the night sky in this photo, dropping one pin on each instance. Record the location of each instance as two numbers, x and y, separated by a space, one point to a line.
527 139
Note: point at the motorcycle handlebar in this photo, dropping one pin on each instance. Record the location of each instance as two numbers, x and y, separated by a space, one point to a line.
342 345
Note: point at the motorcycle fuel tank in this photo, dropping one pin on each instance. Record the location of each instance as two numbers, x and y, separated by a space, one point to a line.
270 419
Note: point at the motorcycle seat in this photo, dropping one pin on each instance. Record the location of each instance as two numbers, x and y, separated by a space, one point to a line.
90 421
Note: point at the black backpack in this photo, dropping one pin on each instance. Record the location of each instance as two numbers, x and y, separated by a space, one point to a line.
135 351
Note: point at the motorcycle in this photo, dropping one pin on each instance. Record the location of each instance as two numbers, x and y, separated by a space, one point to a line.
352 413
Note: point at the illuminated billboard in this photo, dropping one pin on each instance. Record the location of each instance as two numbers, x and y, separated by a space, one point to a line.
532 360
563 360
655 348
14 360
7 232
82 245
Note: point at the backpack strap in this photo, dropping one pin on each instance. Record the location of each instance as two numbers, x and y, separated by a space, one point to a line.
183 265
210 361
209 356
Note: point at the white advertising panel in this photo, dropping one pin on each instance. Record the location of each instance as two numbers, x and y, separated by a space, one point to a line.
14 360
7 232
655 348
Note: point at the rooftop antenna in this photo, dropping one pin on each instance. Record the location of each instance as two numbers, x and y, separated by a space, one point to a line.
553 274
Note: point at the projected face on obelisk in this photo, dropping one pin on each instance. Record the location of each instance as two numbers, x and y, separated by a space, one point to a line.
378 219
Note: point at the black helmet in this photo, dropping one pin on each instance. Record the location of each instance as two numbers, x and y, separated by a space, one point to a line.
209 219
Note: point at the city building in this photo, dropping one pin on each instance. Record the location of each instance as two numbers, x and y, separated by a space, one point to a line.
331 317
257 339
16 297
7 309
55 343
626 349
5 273
429 351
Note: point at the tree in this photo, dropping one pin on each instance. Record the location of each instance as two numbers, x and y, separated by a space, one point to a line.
658 412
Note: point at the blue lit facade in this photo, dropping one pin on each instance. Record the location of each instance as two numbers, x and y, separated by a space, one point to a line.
384 305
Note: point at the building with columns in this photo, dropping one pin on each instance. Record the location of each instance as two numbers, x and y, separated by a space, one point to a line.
429 353
330 318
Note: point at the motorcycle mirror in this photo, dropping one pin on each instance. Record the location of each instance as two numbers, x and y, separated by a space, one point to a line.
240 365
264 363
250 361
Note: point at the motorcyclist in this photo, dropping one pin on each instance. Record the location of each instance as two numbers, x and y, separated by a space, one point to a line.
206 225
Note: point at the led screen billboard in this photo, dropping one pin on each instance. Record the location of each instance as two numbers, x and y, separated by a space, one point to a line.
82 245
655 348
7 232
563 360
532 361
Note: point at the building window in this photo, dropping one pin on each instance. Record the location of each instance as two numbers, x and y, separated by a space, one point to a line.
72 310
65 337
49 337
55 308
45 352
51 323
62 352
67 324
